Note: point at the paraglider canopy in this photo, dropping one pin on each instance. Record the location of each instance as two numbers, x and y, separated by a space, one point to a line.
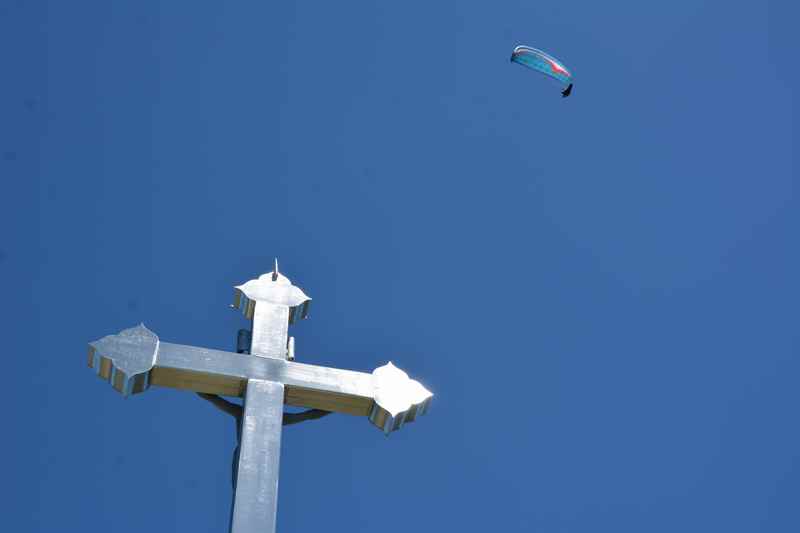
546 64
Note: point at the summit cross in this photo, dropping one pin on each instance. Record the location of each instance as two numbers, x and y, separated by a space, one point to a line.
267 378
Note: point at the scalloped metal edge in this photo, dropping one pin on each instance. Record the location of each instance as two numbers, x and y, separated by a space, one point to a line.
398 399
113 364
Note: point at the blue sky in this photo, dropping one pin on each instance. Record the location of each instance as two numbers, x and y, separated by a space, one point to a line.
601 290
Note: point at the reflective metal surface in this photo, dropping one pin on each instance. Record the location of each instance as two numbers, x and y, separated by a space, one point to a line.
388 396
272 303
398 398
256 500
135 359
129 371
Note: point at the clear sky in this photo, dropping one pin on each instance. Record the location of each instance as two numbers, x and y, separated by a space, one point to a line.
601 290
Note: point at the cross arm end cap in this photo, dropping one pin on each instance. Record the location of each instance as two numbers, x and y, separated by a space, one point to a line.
398 398
125 359
278 292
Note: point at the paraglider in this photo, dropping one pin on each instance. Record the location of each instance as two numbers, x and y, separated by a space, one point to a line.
544 63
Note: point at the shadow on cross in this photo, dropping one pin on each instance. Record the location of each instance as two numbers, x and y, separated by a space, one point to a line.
237 411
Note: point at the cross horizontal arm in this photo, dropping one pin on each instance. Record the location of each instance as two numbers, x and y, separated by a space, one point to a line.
135 358
215 371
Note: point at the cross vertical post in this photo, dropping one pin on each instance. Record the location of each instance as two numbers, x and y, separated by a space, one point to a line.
256 500
271 302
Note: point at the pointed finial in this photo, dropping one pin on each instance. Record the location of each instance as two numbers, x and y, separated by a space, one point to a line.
275 271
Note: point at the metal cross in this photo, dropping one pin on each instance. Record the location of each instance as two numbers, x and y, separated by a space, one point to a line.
267 378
